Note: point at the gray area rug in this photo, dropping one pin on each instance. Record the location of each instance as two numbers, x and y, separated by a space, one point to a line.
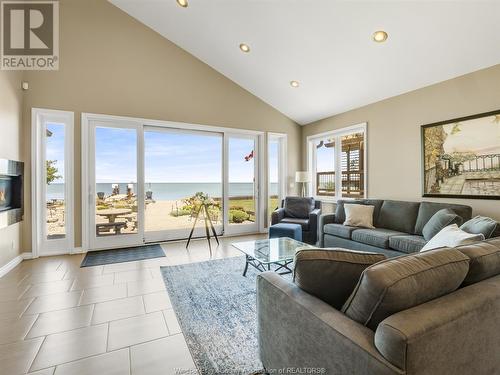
129 254
216 308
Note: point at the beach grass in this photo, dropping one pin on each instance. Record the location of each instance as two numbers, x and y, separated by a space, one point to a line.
248 204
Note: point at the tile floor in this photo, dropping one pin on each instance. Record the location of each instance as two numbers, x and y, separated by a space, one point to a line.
59 319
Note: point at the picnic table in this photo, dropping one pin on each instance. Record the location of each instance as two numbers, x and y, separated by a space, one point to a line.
112 213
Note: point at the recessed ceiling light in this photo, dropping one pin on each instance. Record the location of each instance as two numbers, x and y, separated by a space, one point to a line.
244 47
183 3
380 36
294 83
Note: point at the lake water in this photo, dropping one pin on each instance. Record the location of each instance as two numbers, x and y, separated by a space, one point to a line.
171 191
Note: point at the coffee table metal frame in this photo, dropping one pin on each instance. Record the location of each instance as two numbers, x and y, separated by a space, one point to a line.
283 264
261 265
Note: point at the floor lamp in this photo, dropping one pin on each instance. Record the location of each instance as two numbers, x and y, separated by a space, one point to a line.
302 178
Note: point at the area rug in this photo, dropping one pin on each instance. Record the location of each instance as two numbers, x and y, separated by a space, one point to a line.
129 254
216 309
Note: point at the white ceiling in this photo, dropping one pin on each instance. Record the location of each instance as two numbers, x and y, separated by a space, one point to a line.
326 45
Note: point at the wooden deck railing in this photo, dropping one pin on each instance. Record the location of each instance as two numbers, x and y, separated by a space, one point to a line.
352 184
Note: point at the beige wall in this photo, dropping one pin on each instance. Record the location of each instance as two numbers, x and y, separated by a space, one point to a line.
112 64
394 165
10 148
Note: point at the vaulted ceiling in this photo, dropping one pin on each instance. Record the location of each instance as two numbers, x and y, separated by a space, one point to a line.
327 46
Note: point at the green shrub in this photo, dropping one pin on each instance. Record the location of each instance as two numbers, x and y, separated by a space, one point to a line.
180 212
237 216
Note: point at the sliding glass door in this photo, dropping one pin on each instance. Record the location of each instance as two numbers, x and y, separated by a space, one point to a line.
181 167
145 182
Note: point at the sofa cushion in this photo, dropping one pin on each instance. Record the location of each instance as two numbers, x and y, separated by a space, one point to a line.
452 236
298 207
410 243
331 274
378 237
397 284
480 224
428 209
339 230
304 223
340 212
484 261
398 215
438 221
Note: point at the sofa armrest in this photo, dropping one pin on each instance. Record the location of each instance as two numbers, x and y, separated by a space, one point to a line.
454 334
313 223
297 330
496 233
323 220
277 215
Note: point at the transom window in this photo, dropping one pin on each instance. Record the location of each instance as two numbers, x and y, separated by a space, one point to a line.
337 163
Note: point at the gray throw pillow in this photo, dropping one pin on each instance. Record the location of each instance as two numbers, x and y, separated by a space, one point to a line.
397 284
438 221
331 274
480 224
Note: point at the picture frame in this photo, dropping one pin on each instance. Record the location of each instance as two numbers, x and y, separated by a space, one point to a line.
461 157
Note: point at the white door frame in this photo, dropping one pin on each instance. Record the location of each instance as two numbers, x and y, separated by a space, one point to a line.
42 246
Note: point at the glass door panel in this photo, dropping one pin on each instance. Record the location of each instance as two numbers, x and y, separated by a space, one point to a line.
115 191
242 192
181 167
273 188
55 191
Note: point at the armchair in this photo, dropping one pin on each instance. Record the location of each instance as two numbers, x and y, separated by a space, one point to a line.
302 211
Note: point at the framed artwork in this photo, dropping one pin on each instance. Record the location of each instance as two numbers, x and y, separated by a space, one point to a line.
461 157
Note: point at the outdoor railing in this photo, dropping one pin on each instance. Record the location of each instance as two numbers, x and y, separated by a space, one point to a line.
352 184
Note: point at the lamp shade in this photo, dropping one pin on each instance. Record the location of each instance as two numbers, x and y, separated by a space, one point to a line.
301 176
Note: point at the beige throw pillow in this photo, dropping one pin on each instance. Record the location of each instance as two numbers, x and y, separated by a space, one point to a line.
359 215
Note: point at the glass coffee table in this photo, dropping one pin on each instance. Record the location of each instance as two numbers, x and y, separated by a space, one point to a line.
261 254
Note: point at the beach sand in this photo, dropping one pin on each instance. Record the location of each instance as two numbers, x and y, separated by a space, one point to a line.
157 218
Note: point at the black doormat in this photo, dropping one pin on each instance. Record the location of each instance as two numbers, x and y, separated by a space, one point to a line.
129 254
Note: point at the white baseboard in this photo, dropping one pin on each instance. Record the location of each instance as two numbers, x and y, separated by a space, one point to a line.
27 255
11 265
78 250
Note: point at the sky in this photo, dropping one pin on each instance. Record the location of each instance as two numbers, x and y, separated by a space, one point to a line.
480 136
325 159
54 149
170 157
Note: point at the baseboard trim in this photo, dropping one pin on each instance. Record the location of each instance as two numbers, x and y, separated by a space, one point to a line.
78 250
11 265
27 255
